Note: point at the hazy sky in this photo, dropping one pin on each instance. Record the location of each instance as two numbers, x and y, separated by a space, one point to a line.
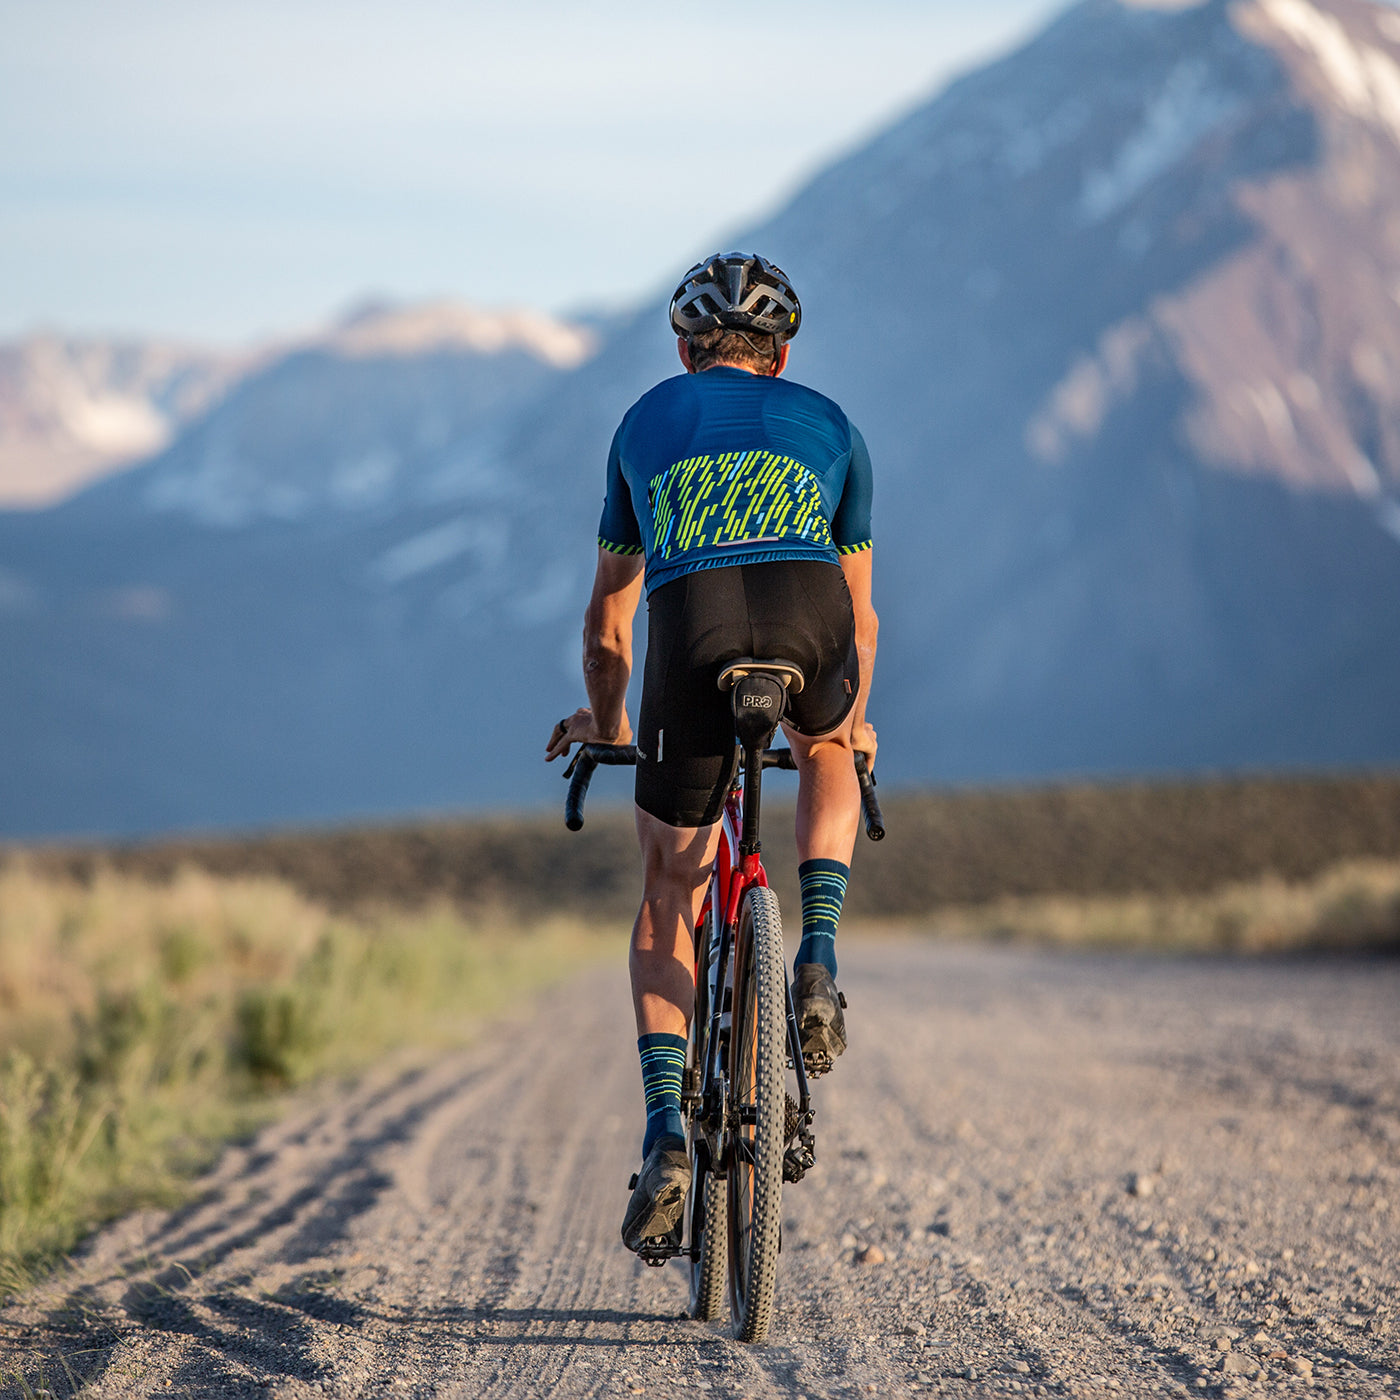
224 168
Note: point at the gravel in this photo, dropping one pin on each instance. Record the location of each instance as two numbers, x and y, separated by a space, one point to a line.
451 1229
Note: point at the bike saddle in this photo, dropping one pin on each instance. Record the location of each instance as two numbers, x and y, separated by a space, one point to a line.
788 673
758 692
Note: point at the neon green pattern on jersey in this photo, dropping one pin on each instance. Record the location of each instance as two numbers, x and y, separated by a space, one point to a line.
735 498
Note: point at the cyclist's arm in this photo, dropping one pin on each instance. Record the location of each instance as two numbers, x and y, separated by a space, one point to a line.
858 570
607 642
850 528
607 656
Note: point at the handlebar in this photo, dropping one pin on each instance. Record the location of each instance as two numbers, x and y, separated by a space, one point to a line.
580 774
874 817
589 756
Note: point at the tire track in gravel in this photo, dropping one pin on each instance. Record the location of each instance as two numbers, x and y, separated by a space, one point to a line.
1087 1176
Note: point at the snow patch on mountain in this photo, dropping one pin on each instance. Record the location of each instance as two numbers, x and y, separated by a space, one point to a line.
1076 407
437 326
74 410
224 492
1364 79
430 549
365 478
115 424
1187 109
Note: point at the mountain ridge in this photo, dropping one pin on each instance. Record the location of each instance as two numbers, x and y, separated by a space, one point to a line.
75 410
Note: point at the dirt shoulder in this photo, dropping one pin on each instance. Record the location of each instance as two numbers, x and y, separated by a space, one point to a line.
1080 1176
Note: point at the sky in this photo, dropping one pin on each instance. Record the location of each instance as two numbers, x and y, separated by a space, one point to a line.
218 172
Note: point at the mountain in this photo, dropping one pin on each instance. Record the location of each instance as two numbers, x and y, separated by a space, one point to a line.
235 631
74 410
1135 288
392 405
1119 316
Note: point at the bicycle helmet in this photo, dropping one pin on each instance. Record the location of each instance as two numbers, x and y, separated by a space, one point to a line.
739 292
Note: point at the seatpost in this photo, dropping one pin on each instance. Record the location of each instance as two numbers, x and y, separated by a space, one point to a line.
753 784
759 701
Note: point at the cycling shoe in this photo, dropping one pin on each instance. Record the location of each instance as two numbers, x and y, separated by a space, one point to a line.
821 1021
658 1194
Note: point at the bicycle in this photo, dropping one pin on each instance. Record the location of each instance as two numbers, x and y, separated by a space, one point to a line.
745 1096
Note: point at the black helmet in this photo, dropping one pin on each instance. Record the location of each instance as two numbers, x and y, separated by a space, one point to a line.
738 292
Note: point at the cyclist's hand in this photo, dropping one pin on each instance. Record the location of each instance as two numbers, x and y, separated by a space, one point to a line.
579 728
863 740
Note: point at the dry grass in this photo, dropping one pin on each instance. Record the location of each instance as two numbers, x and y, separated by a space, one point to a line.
1352 907
143 1023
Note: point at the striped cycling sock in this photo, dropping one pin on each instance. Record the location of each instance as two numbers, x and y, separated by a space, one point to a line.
823 891
663 1065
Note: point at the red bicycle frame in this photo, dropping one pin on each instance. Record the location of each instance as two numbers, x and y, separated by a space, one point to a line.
733 874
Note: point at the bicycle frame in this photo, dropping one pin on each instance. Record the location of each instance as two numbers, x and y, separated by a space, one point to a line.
735 872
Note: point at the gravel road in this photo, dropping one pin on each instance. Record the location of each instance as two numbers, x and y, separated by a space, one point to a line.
1037 1174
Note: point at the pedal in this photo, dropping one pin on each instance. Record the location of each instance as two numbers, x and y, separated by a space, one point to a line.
659 1249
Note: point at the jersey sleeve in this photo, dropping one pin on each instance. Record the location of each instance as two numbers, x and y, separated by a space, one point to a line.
618 531
850 526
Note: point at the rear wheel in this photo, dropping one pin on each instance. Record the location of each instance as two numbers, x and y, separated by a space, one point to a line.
758 1057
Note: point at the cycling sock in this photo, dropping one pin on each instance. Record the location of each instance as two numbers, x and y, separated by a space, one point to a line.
663 1065
823 891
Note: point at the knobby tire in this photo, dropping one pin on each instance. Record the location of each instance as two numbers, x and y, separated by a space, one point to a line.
705 1206
758 1059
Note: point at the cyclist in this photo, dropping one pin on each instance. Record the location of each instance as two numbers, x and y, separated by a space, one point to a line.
747 499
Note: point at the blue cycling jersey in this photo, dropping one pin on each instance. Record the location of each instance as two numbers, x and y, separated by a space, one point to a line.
726 467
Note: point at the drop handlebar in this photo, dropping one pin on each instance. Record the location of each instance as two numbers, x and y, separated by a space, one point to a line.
589 756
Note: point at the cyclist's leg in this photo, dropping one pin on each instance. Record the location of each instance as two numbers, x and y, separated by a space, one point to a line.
676 862
685 743
828 815
809 618
685 758
828 794
676 865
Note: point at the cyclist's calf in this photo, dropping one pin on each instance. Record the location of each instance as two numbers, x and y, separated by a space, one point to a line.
828 795
676 865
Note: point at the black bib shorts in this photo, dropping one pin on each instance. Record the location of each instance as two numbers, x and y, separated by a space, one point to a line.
795 610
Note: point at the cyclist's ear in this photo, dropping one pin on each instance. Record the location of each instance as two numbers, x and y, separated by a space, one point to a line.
683 347
780 363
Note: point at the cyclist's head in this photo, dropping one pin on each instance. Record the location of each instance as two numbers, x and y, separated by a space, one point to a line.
737 309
